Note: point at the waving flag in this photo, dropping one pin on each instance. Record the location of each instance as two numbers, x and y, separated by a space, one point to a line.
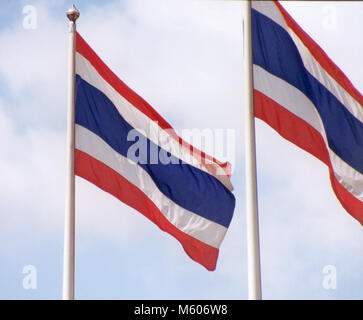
187 193
308 100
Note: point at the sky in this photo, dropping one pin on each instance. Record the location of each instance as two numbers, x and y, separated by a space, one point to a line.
185 58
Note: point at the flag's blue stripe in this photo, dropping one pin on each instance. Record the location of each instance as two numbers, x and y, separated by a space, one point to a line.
189 187
275 51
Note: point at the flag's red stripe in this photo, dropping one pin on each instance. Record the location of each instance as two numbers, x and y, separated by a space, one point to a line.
138 102
290 126
350 203
110 181
299 132
318 53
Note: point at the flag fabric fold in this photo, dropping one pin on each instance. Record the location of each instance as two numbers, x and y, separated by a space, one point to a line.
185 192
308 100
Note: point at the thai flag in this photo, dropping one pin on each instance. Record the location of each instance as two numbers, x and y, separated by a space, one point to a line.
183 191
308 100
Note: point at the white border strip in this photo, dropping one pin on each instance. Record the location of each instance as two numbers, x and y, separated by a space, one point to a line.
190 223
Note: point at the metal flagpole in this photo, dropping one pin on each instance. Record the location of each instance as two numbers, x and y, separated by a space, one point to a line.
253 246
69 222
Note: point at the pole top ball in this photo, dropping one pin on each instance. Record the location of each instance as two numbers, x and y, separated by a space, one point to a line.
73 13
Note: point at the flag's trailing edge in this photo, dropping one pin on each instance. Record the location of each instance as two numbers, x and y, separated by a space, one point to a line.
190 198
308 100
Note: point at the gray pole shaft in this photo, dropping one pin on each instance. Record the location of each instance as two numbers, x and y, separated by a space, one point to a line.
253 246
69 222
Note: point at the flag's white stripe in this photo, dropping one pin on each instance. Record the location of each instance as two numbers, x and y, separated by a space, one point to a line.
286 95
190 223
297 103
269 9
140 121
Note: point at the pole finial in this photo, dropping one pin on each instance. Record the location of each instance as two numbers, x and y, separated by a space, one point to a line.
73 13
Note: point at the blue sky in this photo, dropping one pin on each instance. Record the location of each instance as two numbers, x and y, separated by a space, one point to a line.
185 58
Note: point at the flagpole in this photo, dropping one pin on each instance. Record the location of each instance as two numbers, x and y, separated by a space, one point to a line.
69 221
253 246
